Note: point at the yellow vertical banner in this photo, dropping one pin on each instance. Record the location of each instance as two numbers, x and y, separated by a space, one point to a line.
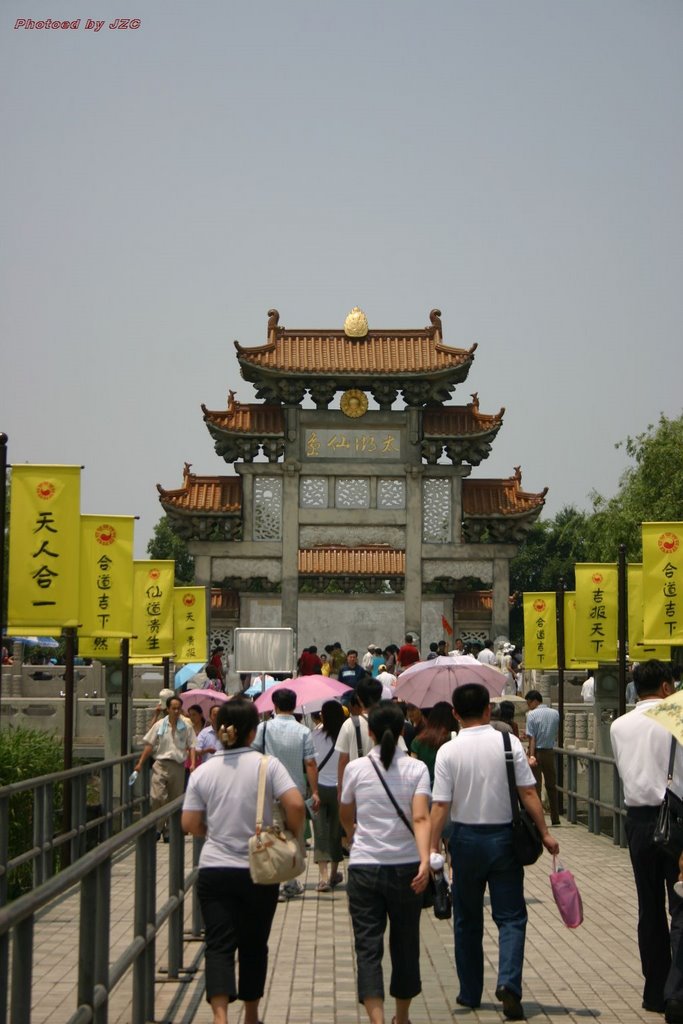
570 660
44 547
106 591
189 624
662 583
596 612
153 609
540 630
637 650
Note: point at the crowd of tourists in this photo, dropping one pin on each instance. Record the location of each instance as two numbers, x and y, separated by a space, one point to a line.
396 791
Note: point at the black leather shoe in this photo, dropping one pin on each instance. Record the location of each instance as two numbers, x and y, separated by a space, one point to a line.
512 1004
673 1013
470 1006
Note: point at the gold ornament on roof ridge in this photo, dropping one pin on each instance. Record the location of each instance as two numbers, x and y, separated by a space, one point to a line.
356 324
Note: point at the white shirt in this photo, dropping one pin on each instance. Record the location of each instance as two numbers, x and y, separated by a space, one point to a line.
470 774
170 745
487 657
588 691
641 749
322 744
347 741
381 837
225 788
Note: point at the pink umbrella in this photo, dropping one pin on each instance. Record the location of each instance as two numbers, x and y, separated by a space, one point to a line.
428 682
205 698
307 690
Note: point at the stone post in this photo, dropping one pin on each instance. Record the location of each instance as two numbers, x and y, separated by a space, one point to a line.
500 616
290 546
412 597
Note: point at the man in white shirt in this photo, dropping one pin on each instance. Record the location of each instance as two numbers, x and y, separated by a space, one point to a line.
588 690
486 655
641 750
171 741
470 783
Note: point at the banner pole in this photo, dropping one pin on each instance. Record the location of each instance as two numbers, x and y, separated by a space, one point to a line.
69 656
3 528
125 694
559 605
621 626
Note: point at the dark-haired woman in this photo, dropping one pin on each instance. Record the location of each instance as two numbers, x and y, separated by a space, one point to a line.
327 851
438 730
220 804
389 862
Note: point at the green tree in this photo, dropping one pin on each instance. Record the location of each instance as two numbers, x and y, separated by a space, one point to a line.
650 490
166 543
549 552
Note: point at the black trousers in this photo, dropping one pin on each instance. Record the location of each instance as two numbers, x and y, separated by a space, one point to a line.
238 916
376 892
655 873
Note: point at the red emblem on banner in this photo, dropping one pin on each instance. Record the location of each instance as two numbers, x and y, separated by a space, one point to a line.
540 605
45 490
105 534
154 574
668 543
597 577
189 600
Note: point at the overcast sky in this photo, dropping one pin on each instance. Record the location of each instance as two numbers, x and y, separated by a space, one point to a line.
518 165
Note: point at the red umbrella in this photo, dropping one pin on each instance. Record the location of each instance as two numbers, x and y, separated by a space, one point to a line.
428 682
306 688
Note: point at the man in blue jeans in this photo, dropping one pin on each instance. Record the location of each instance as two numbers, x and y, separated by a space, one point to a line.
470 783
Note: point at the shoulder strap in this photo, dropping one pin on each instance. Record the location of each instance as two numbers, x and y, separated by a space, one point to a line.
510 767
261 793
359 738
326 758
263 737
391 797
672 758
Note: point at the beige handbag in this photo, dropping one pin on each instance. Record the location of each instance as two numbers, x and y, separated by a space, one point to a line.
274 853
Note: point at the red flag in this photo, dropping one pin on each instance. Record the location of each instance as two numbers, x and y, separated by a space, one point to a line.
447 628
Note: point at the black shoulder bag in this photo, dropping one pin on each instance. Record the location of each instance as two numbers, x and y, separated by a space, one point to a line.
526 838
436 895
668 834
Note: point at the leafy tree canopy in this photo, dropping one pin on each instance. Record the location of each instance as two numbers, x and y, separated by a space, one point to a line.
651 490
166 543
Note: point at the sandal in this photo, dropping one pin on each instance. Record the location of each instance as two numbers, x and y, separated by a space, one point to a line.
323 887
336 879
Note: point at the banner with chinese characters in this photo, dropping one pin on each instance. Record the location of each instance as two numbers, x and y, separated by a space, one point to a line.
153 609
189 624
106 593
662 583
570 634
637 650
104 648
540 630
44 547
595 637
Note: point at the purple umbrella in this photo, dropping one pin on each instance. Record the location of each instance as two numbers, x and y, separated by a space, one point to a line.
306 688
428 682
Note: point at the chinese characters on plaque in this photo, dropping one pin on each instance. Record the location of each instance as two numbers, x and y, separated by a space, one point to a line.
352 444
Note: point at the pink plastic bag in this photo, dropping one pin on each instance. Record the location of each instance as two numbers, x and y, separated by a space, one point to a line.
567 895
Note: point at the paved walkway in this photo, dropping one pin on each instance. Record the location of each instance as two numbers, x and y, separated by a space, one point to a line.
568 976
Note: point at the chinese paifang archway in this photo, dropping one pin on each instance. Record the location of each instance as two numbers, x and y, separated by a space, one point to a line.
354 524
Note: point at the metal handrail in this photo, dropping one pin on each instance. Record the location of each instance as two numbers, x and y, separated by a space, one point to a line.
592 798
96 976
116 814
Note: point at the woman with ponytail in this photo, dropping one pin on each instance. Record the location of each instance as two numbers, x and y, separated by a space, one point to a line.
385 813
220 804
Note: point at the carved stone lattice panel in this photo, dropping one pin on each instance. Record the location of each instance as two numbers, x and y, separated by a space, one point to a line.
221 638
267 508
391 492
352 492
313 492
474 636
461 570
436 511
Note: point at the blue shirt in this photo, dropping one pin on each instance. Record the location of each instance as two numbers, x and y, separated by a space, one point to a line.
543 724
290 742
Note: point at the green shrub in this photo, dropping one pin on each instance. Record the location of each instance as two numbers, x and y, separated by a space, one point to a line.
26 754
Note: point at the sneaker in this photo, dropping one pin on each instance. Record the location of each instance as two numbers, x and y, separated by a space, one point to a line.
512 1003
293 888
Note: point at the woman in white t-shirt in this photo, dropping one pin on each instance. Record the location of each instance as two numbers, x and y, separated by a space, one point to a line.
389 862
327 850
220 803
